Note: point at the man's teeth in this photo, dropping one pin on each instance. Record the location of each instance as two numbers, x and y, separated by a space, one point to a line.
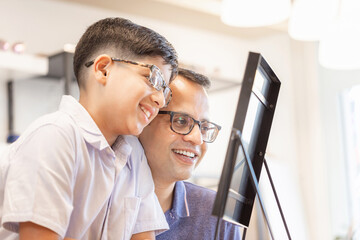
185 153
147 113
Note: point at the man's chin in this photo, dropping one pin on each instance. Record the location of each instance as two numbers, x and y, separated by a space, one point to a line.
184 176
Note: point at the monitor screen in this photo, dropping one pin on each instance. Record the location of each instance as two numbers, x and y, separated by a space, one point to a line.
253 118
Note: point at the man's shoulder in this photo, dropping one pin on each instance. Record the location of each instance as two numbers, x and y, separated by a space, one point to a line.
199 191
200 224
200 199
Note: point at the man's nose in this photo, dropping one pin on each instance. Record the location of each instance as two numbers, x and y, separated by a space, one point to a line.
194 136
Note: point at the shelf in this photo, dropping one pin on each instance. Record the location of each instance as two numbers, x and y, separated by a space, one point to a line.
20 66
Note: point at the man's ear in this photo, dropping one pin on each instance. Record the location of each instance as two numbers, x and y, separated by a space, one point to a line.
101 68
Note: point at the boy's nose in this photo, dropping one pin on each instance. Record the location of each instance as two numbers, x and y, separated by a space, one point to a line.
158 98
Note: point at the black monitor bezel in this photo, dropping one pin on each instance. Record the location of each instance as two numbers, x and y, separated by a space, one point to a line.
254 64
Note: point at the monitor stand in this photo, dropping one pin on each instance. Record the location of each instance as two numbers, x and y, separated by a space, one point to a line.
236 137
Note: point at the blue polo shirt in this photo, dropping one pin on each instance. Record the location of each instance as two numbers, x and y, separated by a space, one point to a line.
190 216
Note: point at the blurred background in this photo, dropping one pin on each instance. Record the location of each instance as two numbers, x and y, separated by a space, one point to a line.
313 47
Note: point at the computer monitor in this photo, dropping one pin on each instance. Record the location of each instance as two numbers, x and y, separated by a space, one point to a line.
251 127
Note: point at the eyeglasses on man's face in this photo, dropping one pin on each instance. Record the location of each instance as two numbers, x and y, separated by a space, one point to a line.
155 77
182 123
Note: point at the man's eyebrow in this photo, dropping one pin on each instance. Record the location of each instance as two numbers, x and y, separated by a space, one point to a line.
185 113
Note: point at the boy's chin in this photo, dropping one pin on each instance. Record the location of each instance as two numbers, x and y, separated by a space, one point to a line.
136 130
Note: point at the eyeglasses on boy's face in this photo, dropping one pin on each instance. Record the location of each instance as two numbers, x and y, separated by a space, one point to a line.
155 77
182 123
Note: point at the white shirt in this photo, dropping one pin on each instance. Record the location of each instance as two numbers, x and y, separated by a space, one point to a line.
62 174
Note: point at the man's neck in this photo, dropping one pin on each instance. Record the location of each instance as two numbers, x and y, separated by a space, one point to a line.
164 192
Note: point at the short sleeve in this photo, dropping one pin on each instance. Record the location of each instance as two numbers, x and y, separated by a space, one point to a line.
40 180
151 216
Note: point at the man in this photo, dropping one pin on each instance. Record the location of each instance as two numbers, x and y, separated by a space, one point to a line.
174 144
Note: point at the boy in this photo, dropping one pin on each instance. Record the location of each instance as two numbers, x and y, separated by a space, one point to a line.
60 178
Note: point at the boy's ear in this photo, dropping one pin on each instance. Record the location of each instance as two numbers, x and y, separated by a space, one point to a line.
101 67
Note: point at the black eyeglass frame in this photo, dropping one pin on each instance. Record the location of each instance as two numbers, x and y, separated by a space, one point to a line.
164 85
199 123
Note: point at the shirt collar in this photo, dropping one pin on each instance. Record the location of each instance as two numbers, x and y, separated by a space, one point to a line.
180 205
122 150
80 115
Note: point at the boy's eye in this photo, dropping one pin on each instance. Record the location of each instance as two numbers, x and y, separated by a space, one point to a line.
144 73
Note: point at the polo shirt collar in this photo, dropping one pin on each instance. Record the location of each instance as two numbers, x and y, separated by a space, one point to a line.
90 130
180 204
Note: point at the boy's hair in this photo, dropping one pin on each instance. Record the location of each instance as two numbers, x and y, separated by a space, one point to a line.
126 39
195 77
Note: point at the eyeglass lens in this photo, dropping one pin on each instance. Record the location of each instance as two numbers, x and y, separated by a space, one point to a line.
157 80
184 124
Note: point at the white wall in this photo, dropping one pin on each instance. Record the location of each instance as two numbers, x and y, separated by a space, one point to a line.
333 84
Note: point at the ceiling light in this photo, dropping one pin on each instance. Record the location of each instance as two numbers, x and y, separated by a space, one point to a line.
254 13
339 47
309 18
4 45
18 47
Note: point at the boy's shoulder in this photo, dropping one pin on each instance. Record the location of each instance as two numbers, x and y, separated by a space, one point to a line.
57 120
71 119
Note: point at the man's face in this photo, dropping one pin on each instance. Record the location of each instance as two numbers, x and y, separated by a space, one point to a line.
165 149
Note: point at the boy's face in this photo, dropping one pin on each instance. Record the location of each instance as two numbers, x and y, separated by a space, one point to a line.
163 147
129 101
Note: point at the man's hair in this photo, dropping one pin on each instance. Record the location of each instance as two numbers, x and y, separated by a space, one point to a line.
195 77
126 39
